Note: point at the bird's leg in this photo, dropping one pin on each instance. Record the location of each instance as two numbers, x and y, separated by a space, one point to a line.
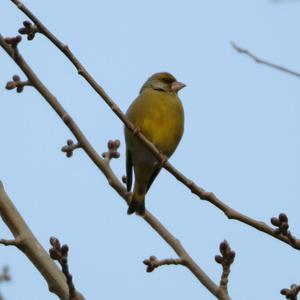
136 130
161 160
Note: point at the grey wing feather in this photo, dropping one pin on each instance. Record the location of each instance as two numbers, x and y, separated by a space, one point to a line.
153 176
128 170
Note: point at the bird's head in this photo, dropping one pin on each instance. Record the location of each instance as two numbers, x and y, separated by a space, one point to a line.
164 82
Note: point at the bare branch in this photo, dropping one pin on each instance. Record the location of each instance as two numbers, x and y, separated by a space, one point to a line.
109 174
29 245
4 276
60 253
9 242
152 263
282 224
70 147
29 29
291 293
112 150
13 41
17 84
263 62
194 188
226 259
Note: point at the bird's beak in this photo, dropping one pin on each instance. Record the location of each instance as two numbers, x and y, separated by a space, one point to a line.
177 86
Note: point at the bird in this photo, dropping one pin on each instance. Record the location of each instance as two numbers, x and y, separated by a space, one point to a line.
158 113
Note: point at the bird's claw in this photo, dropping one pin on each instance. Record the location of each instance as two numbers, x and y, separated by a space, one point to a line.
136 130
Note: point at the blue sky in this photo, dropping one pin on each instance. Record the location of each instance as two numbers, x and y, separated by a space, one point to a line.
241 141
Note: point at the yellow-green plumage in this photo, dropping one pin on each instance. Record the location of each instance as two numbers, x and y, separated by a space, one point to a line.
158 113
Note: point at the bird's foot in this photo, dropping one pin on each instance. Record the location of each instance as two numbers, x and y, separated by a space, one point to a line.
136 130
161 160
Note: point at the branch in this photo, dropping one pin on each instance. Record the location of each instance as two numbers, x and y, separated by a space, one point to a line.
226 259
263 62
194 188
29 245
17 84
69 148
291 293
282 224
4 276
60 253
109 174
152 263
15 242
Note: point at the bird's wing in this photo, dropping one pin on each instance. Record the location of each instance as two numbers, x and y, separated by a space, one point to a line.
153 176
128 170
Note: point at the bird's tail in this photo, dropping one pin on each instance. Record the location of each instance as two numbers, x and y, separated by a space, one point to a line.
137 203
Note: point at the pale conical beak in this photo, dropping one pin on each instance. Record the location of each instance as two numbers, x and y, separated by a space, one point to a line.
177 86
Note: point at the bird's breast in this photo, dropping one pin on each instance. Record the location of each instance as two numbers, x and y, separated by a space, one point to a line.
160 118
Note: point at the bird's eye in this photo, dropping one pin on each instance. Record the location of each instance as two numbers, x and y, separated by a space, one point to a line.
168 80
159 89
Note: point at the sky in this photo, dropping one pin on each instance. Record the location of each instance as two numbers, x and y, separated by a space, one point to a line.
241 141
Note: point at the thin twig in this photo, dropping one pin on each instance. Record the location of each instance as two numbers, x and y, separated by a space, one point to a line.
9 242
60 253
152 263
70 147
17 84
291 293
226 259
5 276
262 61
282 227
194 188
109 174
112 147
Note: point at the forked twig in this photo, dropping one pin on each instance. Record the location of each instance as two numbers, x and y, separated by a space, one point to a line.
262 61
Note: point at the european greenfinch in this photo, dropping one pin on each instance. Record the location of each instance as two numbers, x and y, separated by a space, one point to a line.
158 113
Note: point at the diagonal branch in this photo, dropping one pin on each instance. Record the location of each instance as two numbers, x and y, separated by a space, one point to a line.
194 188
113 180
29 245
262 61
